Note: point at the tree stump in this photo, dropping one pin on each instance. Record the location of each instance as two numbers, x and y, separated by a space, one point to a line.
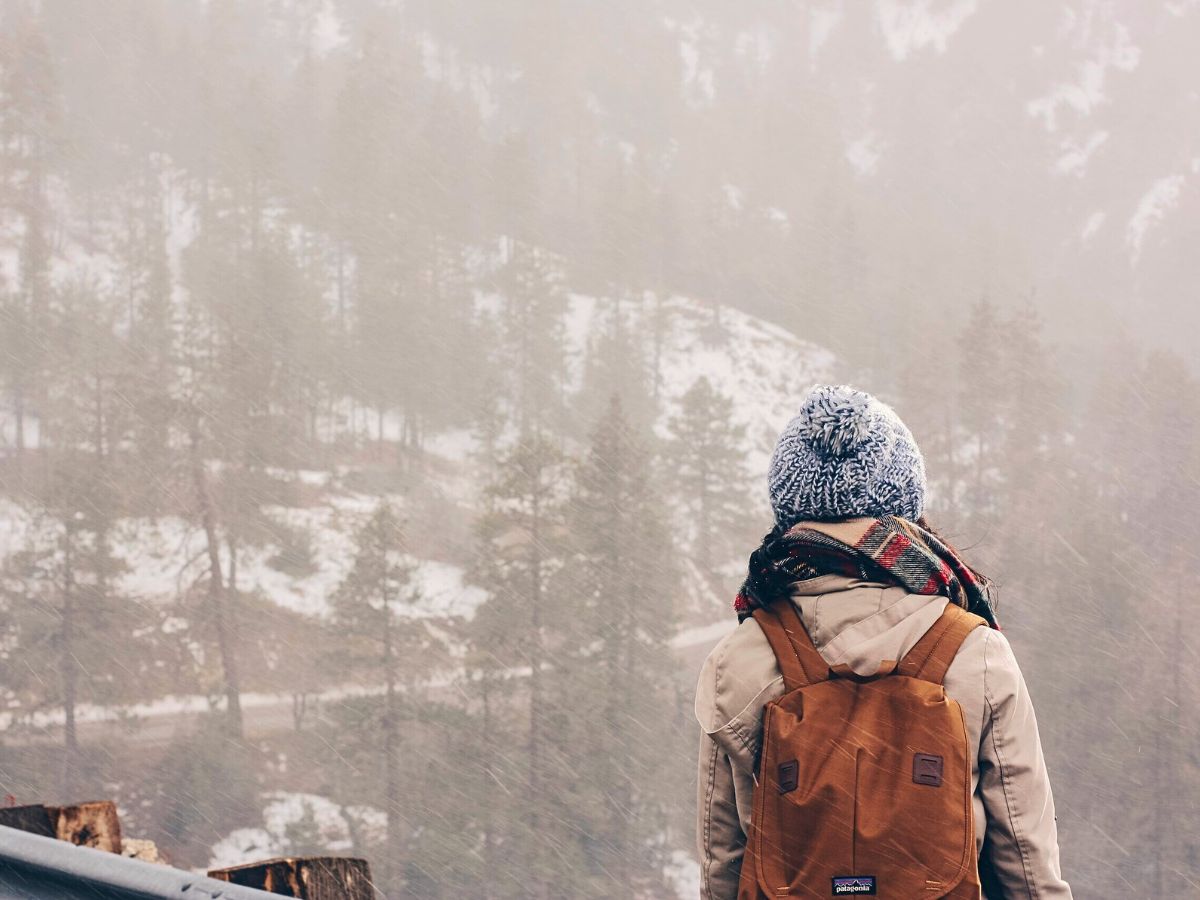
92 824
310 877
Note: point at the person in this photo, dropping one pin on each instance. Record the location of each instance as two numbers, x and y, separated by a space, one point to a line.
869 576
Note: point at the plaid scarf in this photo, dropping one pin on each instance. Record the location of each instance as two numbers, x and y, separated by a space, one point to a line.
890 550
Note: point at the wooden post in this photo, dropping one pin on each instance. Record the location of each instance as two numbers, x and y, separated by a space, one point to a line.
34 819
93 824
309 878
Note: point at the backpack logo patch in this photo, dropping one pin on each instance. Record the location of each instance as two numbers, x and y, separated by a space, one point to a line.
846 885
927 769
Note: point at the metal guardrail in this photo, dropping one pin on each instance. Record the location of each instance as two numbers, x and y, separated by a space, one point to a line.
33 867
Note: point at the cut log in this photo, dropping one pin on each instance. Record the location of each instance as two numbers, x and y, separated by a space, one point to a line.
35 819
307 877
92 824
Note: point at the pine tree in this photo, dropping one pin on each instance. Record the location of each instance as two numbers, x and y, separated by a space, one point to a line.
66 605
372 181
252 322
532 329
372 605
443 181
1029 456
73 639
202 784
615 364
1164 484
707 468
620 581
517 630
980 399
30 138
929 401
150 332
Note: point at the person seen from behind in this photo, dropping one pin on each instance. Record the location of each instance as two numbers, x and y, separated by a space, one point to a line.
866 729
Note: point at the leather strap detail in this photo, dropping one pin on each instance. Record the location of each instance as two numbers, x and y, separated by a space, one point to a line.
843 670
799 661
785 653
936 649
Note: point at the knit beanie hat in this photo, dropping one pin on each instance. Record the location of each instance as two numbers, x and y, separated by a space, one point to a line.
845 454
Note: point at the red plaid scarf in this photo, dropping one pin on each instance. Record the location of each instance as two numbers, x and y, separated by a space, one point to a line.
890 550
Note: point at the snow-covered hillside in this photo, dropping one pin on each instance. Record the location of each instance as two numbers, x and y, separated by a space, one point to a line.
762 367
162 558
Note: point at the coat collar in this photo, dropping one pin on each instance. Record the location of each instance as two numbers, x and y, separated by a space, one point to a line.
829 583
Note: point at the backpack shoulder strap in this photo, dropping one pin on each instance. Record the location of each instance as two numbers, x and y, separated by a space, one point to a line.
934 652
800 661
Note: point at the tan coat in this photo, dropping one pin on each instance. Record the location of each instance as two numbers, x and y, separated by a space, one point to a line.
863 623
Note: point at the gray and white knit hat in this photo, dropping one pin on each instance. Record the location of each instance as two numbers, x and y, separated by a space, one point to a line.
845 454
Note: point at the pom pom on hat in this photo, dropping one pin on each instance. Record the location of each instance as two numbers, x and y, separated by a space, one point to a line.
845 454
835 420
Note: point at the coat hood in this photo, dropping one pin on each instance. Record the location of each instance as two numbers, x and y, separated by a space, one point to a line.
859 623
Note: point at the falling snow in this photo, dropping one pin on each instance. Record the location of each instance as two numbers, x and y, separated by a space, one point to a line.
386 393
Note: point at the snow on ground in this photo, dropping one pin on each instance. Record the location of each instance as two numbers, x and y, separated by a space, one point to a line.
302 824
15 528
443 591
164 557
683 874
310 477
161 557
457 444
299 824
195 704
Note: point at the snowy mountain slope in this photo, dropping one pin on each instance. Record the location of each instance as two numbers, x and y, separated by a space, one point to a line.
162 558
1048 147
762 367
1082 131
155 553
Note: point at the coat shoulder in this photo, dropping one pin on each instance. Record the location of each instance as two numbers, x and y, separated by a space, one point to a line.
971 660
738 677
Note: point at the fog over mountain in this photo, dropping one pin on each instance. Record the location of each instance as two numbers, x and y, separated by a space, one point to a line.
387 389
949 148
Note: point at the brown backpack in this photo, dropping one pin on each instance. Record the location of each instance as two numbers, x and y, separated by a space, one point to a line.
864 783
